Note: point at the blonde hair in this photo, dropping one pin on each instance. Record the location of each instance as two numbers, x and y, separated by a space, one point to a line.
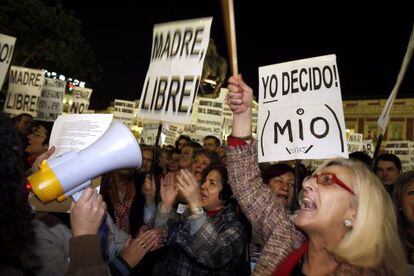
373 242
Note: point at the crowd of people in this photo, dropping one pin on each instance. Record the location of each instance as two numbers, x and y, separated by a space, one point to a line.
209 209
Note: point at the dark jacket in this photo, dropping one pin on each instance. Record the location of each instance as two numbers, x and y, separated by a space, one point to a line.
218 247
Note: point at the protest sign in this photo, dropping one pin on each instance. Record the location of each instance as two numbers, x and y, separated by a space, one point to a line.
209 115
51 100
124 111
402 149
169 134
173 77
149 133
355 142
300 111
6 54
25 86
79 100
368 147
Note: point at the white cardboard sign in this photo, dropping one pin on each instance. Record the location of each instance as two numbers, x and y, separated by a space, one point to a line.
25 86
173 77
80 100
124 111
300 111
209 116
6 54
51 100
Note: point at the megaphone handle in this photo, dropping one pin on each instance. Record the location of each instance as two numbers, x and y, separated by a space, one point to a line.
76 192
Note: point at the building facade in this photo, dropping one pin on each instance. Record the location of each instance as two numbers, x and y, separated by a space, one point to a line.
361 117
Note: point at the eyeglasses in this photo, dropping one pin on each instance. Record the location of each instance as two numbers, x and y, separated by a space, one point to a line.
329 179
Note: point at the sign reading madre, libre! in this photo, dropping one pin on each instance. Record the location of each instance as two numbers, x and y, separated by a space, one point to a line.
173 77
300 111
25 86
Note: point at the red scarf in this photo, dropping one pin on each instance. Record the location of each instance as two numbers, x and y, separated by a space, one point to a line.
122 209
289 263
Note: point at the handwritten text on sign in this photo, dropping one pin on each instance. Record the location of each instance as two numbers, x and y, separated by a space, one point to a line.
300 111
173 77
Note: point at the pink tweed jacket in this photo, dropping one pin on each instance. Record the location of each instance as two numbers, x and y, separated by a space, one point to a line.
268 217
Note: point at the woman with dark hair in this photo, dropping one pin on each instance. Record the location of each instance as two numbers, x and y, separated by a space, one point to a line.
404 203
38 142
182 141
208 238
280 178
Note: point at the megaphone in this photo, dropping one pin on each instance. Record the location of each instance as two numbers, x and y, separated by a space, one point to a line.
72 172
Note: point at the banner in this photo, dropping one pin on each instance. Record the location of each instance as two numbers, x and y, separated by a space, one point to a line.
79 100
173 77
25 86
6 54
300 111
51 100
124 111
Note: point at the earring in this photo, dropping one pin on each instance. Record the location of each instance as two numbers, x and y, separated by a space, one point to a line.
348 224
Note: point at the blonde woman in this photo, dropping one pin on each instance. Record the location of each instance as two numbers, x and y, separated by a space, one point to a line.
346 223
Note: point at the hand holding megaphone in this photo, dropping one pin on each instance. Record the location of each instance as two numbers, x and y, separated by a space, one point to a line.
72 172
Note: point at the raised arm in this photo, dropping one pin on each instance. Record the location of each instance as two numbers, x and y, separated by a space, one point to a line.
258 203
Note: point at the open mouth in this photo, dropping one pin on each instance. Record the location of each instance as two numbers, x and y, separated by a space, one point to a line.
282 196
203 196
307 204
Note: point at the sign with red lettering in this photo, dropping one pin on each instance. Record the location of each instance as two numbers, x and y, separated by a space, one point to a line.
173 77
25 86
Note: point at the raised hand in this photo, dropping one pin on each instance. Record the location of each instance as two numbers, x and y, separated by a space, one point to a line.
240 98
168 191
240 95
86 215
190 188
149 189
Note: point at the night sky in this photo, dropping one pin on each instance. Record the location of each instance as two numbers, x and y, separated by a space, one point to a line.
368 38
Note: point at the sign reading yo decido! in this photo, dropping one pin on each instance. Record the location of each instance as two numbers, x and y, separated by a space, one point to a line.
173 77
300 111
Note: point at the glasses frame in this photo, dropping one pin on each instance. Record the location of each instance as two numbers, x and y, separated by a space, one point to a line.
334 180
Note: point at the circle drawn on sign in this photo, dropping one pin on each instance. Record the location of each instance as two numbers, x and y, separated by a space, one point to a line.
300 111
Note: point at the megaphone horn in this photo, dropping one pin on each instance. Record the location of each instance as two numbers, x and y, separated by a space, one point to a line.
64 175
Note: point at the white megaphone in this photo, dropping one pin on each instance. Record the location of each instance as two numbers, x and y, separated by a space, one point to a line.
72 172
